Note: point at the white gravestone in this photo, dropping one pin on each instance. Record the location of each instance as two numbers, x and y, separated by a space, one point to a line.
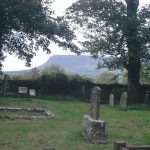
32 92
22 90
123 101
111 100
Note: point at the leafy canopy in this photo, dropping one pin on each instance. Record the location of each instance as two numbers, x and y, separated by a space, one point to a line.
104 26
27 25
106 78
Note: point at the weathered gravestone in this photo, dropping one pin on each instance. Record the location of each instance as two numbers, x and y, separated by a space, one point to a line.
32 92
111 100
123 101
146 98
95 103
22 90
83 91
92 127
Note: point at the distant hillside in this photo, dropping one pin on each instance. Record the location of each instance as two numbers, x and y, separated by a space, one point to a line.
19 72
82 65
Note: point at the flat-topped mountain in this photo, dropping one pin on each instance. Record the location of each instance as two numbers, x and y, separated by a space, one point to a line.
78 64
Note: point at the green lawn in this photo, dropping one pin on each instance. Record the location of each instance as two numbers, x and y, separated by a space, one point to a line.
63 132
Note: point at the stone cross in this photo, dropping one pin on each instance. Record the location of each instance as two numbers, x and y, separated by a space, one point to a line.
111 100
123 101
95 102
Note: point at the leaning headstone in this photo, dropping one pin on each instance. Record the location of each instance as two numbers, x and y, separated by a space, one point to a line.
123 101
32 92
111 100
92 127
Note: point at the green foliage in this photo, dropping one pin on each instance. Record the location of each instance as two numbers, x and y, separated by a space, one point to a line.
35 73
53 69
53 83
32 74
27 25
106 78
118 32
105 30
145 75
30 84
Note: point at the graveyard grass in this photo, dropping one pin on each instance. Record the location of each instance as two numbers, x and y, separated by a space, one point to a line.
63 132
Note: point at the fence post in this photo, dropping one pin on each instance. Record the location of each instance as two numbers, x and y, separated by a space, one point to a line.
119 144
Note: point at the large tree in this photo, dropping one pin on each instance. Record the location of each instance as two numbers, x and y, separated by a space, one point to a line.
118 32
27 25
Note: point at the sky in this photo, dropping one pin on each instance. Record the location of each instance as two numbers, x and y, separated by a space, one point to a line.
12 63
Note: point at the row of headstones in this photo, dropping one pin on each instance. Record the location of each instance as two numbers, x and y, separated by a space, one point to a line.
123 100
93 128
24 90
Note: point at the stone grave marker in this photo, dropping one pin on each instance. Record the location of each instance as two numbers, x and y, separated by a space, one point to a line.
123 101
146 98
22 90
92 127
83 91
111 100
32 92
95 103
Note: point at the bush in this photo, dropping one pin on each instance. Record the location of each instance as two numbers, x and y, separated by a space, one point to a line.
61 85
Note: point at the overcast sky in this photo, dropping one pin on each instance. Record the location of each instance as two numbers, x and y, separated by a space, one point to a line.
12 63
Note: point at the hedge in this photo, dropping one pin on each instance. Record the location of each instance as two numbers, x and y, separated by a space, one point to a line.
62 86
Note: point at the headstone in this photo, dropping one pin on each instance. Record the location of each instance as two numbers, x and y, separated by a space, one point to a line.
111 100
83 91
22 90
32 92
95 102
146 98
123 101
92 127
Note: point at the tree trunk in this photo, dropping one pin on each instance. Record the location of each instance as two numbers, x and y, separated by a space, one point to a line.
133 83
1 52
133 45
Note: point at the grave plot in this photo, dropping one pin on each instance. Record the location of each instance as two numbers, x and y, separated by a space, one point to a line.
17 109
92 127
